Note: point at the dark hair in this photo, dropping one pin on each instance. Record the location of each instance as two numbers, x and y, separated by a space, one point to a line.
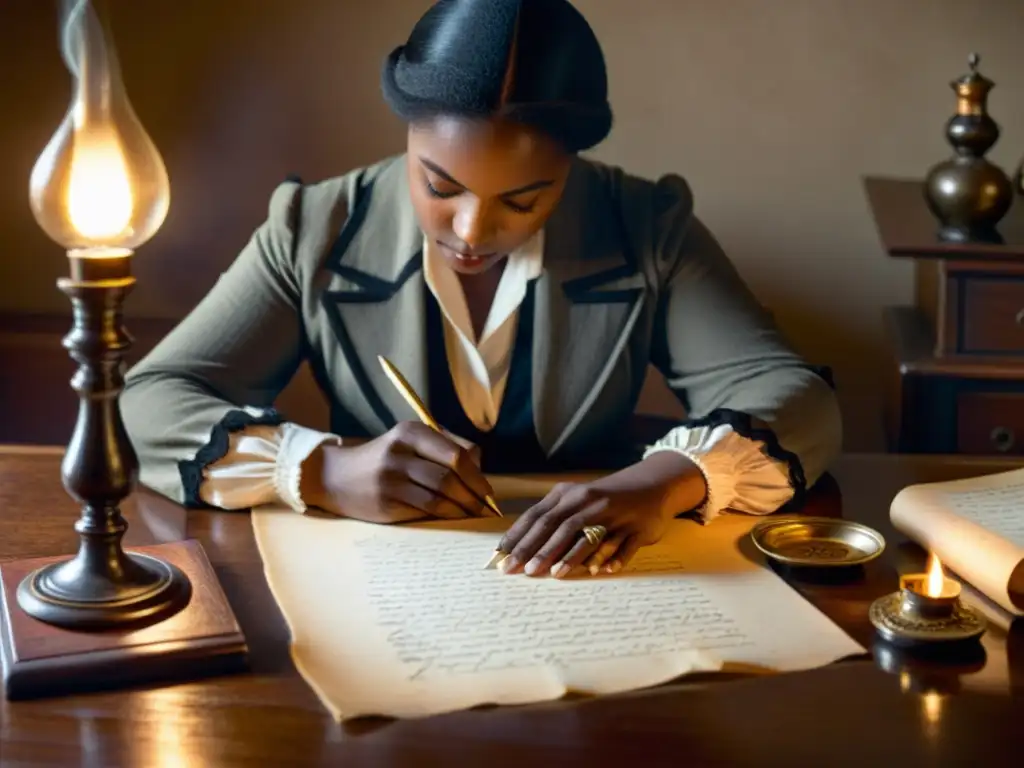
537 62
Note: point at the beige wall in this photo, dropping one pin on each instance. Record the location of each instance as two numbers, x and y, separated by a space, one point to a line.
772 108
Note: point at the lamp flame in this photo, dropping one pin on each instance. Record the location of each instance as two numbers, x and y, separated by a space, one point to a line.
100 182
99 193
935 577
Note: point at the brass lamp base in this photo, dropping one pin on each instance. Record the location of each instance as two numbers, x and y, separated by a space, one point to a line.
102 587
67 595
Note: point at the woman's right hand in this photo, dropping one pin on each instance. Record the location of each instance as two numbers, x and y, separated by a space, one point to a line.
409 473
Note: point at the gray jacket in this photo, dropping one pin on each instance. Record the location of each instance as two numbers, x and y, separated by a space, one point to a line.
334 276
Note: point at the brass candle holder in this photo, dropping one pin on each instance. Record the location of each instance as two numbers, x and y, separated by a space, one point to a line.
100 189
926 612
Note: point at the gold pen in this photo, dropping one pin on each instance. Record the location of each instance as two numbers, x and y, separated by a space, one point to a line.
406 390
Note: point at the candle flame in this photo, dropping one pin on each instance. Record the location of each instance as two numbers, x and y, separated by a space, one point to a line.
936 579
100 204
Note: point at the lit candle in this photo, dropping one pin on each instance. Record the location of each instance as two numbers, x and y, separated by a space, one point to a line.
926 609
930 594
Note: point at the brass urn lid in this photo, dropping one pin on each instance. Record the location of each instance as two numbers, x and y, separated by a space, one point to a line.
972 89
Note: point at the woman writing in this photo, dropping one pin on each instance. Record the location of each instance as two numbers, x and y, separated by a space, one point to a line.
521 289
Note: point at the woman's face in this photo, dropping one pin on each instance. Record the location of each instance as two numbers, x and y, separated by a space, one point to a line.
482 188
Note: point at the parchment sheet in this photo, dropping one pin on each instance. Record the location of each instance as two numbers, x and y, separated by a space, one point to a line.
975 527
403 621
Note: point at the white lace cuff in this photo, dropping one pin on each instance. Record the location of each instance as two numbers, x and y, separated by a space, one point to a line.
263 465
738 472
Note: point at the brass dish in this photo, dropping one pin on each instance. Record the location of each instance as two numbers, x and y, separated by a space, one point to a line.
817 541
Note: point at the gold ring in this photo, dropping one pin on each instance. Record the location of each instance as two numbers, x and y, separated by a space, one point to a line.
595 534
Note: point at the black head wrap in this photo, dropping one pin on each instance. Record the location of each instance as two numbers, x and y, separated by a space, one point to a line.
534 61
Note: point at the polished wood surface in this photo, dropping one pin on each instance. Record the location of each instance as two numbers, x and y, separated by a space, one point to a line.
200 640
857 712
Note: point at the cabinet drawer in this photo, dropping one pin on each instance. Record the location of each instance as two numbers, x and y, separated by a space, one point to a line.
990 423
993 315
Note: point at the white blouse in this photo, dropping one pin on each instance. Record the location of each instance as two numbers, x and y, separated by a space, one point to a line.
264 463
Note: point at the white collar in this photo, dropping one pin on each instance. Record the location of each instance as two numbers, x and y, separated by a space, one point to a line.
524 264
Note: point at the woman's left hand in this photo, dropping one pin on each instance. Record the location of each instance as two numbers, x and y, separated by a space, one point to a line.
633 505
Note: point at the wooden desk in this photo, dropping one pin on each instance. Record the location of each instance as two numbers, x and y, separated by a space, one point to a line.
851 713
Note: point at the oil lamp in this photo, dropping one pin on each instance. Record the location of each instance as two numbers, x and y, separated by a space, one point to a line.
926 610
100 190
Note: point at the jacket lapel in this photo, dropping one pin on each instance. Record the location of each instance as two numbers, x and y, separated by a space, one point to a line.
588 301
375 299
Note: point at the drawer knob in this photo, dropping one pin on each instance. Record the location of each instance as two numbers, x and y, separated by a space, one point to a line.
1020 317
1003 439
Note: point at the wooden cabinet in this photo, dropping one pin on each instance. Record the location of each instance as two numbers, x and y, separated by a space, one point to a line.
955 367
993 312
974 308
990 422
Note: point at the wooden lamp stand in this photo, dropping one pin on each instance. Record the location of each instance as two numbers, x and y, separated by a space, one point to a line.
102 587
107 617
